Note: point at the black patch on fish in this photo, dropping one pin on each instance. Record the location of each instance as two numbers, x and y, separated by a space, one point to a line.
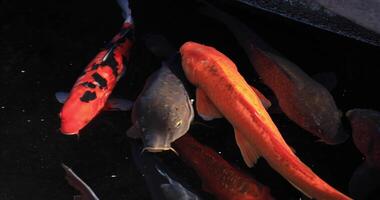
126 33
96 66
110 61
88 96
89 85
100 80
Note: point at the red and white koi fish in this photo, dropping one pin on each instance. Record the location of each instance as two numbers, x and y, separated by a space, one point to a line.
91 91
217 175
255 132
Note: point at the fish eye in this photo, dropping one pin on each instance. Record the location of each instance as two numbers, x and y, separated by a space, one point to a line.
178 124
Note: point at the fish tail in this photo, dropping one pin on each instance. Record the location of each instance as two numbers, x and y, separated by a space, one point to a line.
301 176
76 182
126 11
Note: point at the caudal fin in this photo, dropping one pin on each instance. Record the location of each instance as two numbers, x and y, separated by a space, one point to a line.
127 14
79 184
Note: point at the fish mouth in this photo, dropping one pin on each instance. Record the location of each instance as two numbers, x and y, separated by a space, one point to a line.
158 149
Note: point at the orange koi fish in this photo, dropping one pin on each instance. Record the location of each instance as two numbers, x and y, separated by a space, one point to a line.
230 96
218 176
302 99
91 91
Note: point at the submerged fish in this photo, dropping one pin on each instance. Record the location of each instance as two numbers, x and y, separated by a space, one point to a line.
365 183
161 186
218 176
91 91
162 112
365 125
303 100
76 182
255 132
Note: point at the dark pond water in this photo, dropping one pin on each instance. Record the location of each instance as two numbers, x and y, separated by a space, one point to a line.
45 46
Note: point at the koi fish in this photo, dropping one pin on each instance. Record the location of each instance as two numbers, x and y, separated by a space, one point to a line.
364 183
218 176
303 100
160 180
76 182
161 48
91 91
226 91
365 125
162 112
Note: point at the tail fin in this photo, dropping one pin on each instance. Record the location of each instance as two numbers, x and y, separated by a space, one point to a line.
124 5
79 184
174 190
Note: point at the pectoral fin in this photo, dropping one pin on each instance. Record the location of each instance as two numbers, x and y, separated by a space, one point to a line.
266 103
116 104
112 104
249 152
205 108
134 132
61 96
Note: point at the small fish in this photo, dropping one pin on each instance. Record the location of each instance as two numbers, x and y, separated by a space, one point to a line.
162 112
92 89
161 186
255 132
77 183
364 183
365 125
303 100
218 176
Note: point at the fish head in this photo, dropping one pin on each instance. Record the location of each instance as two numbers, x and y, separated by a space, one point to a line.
163 125
76 113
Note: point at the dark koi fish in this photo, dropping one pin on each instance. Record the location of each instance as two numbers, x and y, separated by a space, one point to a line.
218 176
364 183
91 91
162 112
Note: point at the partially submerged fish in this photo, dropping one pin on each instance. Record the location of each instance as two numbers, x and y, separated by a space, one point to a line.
91 91
365 125
76 182
160 181
303 100
218 176
162 112
255 132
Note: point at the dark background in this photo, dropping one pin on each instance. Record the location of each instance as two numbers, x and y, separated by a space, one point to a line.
44 46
